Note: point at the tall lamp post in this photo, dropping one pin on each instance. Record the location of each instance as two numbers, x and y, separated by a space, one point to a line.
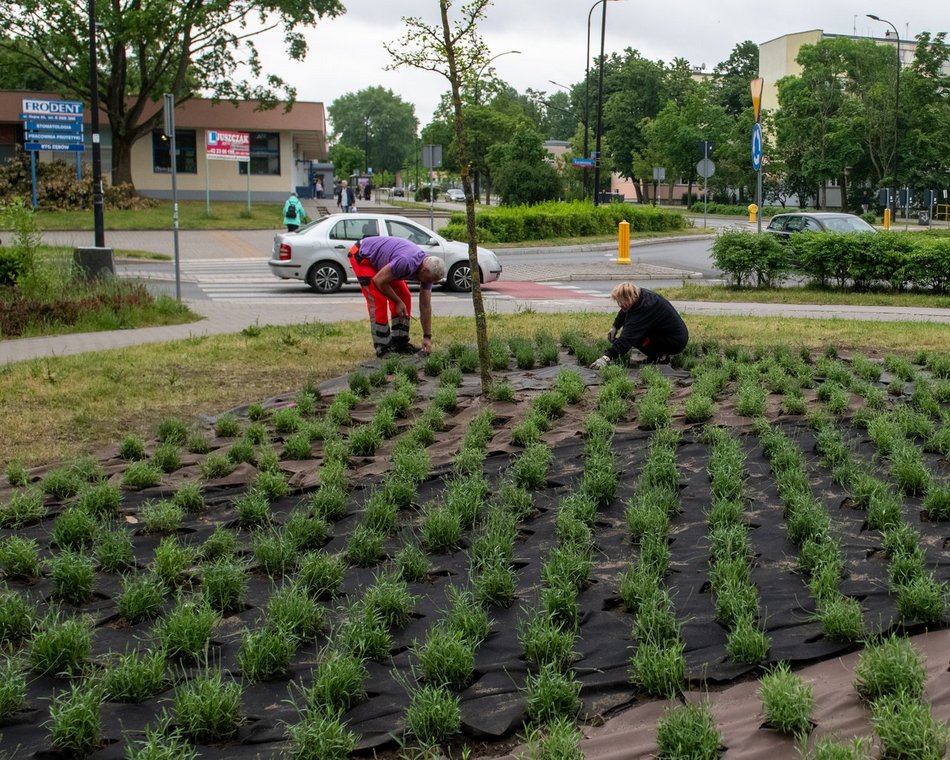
600 94
478 80
897 107
98 221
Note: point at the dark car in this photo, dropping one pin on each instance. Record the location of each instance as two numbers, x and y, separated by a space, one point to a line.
783 225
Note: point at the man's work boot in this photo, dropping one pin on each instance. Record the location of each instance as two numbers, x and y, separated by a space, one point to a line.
403 348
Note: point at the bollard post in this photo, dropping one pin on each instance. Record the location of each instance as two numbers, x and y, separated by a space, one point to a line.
887 219
623 242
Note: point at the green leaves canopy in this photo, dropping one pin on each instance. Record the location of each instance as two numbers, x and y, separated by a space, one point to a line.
151 47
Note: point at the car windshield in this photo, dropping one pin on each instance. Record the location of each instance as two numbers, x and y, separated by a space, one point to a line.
847 224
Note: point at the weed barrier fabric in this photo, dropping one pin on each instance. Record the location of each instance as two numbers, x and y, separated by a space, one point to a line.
493 704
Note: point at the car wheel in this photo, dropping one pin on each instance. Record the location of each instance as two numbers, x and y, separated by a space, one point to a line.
326 277
459 277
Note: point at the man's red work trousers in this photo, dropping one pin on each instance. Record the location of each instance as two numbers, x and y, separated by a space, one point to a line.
389 331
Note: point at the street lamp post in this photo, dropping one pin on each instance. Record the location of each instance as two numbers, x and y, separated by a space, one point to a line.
897 106
98 221
478 79
600 96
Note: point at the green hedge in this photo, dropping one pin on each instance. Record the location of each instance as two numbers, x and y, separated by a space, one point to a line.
729 209
746 257
862 260
561 220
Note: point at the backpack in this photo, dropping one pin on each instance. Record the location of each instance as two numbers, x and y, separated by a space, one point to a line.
291 212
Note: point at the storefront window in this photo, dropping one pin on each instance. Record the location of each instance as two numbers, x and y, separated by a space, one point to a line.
186 147
265 154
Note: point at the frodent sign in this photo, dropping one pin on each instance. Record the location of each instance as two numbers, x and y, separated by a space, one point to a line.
52 125
228 146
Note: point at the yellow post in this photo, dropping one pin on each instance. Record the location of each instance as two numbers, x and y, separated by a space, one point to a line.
623 242
887 219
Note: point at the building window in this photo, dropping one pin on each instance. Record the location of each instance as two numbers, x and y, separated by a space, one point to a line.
265 154
186 147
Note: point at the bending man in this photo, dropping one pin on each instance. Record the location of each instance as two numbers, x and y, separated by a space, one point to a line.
646 321
382 265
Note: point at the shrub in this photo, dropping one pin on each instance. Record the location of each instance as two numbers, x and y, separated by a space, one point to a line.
19 557
140 475
75 726
208 708
337 683
73 529
187 630
433 714
61 647
224 585
446 659
750 259
24 508
266 654
889 667
688 731
73 574
12 686
141 597
551 694
907 728
135 676
787 700
320 735
17 617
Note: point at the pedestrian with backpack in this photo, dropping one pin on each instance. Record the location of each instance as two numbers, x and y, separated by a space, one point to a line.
294 214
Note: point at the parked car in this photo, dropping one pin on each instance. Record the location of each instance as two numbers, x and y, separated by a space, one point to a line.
318 252
784 225
399 192
454 194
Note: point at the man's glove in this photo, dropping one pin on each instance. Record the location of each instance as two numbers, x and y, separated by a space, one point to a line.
612 334
602 362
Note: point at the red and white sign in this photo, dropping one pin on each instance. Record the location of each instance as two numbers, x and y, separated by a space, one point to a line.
229 146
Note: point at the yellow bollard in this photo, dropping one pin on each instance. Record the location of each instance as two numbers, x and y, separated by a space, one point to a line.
623 242
753 210
887 219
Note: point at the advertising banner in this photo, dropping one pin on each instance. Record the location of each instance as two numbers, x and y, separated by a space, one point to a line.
228 146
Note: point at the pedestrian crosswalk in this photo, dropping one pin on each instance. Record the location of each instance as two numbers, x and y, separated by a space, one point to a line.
250 280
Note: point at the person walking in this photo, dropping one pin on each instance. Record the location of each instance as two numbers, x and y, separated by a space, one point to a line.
646 321
318 189
382 265
293 212
346 198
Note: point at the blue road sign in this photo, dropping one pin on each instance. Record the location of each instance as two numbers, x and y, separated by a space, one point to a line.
756 146
583 162
72 147
53 137
34 125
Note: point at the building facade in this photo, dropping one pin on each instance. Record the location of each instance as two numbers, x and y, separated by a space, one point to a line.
288 149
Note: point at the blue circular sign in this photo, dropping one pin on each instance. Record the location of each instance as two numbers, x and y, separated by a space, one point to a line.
756 146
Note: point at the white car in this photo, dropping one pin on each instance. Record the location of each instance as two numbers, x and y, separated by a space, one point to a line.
454 194
318 252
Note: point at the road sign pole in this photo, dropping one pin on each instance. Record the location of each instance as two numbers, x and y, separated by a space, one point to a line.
705 181
170 133
33 175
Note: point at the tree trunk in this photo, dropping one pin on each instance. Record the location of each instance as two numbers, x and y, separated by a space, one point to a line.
121 159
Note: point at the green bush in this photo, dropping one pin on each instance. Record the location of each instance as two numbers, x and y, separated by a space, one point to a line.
745 258
553 220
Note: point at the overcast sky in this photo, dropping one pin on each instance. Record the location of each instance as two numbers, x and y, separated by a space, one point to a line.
347 55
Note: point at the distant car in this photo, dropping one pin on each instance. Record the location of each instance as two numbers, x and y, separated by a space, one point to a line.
399 192
784 225
317 253
454 194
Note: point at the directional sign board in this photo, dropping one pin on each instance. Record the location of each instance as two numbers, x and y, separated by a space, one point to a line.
757 146
52 125
585 163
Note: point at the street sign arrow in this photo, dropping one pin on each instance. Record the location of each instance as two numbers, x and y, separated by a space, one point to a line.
757 147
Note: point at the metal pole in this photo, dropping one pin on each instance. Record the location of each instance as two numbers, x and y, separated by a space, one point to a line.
33 175
600 102
587 95
170 131
758 198
207 182
98 221
705 179
897 110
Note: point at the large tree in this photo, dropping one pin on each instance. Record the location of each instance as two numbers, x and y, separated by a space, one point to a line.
379 122
150 47
732 77
522 171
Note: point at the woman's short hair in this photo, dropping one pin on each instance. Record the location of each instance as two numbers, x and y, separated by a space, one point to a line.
626 292
436 268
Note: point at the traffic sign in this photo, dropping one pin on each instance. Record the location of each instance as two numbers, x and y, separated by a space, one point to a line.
586 163
756 146
705 168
